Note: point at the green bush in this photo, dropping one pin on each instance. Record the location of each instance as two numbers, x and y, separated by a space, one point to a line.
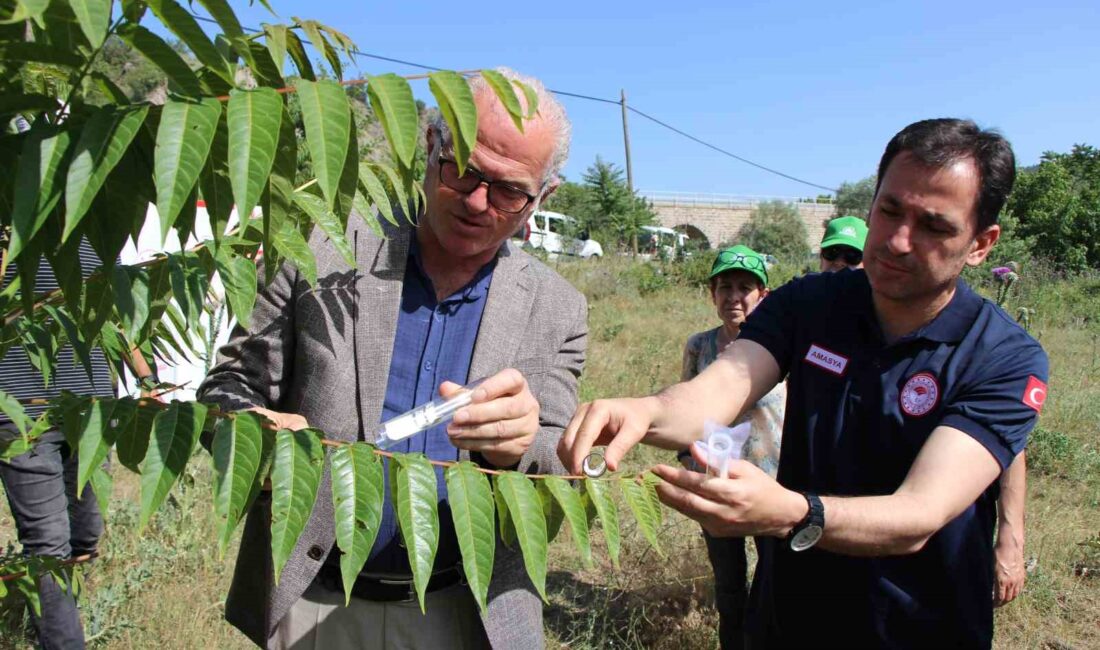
1057 454
776 228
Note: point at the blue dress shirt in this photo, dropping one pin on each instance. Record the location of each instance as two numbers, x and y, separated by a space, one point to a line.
434 343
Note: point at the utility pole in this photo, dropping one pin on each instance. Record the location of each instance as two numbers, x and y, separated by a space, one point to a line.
629 169
626 144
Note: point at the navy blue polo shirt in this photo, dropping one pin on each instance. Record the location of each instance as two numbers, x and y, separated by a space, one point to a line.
434 343
858 412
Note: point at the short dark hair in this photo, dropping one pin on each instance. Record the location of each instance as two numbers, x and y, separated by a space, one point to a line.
940 142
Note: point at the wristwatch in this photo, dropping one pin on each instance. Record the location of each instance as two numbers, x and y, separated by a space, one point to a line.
808 531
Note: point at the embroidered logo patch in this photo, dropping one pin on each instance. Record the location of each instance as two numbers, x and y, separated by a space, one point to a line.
1035 393
823 358
920 394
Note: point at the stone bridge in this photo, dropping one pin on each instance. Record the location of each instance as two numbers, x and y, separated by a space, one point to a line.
716 218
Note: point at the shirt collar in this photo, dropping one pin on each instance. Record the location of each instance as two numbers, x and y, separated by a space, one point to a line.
949 326
474 290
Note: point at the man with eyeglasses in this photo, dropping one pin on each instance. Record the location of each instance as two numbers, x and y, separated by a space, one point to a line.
908 396
428 309
842 245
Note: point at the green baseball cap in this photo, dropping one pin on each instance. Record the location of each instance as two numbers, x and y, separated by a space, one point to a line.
740 258
845 231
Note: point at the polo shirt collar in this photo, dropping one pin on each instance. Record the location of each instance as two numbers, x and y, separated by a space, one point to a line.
956 319
949 326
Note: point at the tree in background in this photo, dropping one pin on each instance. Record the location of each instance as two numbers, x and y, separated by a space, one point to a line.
775 228
855 198
603 206
570 198
1057 206
615 212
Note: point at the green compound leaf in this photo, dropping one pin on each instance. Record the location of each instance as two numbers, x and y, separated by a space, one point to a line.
506 93
392 101
189 285
105 137
554 514
357 495
525 508
295 477
11 407
298 54
275 40
507 530
38 182
132 441
290 244
312 28
471 500
94 16
131 287
102 486
322 216
327 119
238 275
456 103
237 449
412 481
371 187
220 11
599 492
96 438
163 56
184 137
573 506
254 117
641 497
188 30
532 98
176 431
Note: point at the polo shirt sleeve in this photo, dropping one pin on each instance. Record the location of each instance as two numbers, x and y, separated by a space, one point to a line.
772 323
999 405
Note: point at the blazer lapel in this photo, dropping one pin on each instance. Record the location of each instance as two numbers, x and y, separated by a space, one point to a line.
378 301
507 311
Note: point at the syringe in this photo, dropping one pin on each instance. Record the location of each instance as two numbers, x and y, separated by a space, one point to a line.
423 417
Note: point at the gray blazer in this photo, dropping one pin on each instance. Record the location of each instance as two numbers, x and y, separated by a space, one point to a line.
324 352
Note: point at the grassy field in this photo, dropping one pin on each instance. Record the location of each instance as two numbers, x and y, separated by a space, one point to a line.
166 588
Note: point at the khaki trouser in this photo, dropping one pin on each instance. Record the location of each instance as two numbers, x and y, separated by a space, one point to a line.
320 621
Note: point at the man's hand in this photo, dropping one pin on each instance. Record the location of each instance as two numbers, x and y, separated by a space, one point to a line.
501 421
291 421
618 423
749 502
1008 568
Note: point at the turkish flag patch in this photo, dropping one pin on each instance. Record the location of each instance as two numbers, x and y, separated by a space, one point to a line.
1035 393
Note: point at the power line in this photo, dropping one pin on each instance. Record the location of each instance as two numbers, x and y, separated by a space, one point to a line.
727 153
590 98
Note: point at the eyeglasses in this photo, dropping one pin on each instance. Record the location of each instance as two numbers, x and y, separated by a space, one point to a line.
851 256
502 196
751 262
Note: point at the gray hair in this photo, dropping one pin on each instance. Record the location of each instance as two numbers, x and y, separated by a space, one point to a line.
551 112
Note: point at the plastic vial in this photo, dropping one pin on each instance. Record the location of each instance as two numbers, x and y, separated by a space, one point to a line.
423 417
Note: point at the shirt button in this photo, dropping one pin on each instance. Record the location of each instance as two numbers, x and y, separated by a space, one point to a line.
427 365
315 553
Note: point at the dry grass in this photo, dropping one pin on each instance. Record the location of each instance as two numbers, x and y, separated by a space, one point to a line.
165 588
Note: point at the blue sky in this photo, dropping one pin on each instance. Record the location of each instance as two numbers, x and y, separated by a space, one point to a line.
810 88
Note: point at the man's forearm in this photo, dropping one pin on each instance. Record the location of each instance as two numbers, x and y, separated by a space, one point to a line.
895 524
1010 507
744 373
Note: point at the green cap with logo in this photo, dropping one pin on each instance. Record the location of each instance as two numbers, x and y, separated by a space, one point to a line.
740 258
845 231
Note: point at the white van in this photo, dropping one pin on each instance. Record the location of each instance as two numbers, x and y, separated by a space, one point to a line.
550 231
658 241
